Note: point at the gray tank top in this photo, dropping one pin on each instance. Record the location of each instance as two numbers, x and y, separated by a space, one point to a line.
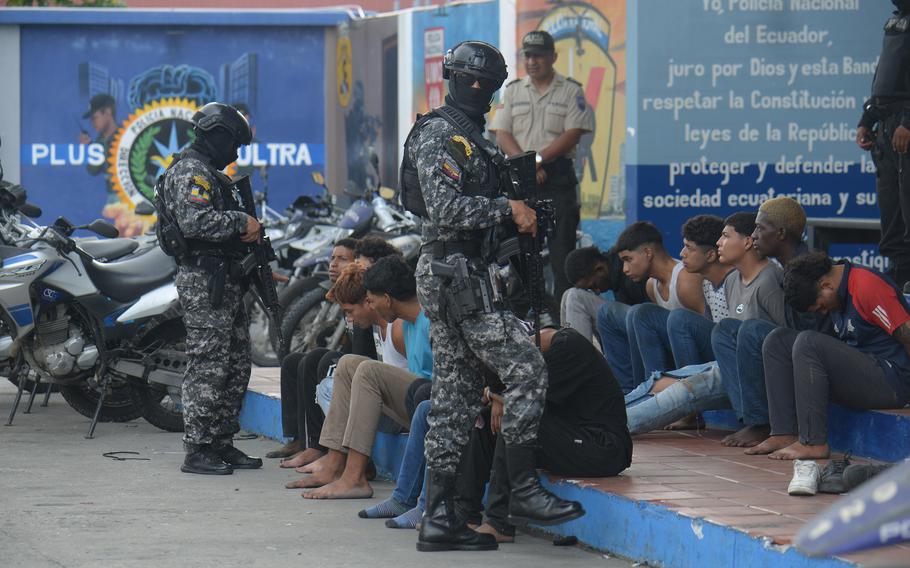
673 303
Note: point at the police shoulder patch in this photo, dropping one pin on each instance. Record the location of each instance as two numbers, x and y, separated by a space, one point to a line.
202 182
459 149
449 168
200 191
580 101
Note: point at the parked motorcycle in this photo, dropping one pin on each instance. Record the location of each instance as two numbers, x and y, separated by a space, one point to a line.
110 334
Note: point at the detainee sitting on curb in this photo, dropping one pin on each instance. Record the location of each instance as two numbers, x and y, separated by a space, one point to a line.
592 273
865 365
365 390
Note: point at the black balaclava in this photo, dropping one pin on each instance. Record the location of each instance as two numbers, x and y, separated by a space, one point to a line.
903 6
218 144
473 102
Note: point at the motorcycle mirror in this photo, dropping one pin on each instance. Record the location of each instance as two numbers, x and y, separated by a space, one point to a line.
318 178
30 210
103 228
145 208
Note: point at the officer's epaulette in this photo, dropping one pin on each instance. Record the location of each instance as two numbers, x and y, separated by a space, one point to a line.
512 82
570 79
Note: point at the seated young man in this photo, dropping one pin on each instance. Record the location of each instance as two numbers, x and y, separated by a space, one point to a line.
753 291
640 246
689 333
365 390
300 373
737 346
592 273
866 365
371 248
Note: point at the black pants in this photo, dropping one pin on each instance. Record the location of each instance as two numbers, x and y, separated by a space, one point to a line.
301 415
565 449
804 370
893 188
564 193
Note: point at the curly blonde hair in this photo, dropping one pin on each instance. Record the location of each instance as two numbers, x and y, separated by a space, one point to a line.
785 212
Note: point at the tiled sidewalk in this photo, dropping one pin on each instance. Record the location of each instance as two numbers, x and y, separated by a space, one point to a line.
695 476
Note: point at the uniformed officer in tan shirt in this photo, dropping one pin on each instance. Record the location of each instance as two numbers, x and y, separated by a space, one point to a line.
547 113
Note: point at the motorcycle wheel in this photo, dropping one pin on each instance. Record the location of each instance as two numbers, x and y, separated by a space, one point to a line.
159 407
118 404
297 322
264 348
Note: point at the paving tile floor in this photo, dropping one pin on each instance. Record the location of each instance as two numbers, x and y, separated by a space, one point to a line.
692 474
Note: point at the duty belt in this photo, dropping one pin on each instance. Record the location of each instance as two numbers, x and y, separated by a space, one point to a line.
442 249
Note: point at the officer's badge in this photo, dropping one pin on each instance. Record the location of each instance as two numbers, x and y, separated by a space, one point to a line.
459 148
200 191
580 101
450 169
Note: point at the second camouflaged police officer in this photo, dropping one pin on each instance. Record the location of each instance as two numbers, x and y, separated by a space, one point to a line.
885 130
547 113
449 178
200 223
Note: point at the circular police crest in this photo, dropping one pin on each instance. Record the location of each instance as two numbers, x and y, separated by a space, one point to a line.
144 146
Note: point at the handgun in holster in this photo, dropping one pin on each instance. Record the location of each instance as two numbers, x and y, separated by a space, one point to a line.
466 294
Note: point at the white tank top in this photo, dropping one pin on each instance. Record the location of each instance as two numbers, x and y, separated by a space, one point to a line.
387 352
673 303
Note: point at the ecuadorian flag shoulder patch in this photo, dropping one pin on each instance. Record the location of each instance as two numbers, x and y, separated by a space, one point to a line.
450 169
200 191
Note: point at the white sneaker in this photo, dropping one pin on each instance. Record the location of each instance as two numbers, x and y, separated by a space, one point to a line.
806 476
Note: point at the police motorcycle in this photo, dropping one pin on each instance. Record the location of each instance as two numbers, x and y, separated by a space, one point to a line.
109 334
311 321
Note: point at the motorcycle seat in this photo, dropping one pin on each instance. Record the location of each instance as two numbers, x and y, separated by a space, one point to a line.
108 249
125 280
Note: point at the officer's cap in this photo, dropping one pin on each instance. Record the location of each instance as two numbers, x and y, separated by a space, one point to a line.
99 102
537 42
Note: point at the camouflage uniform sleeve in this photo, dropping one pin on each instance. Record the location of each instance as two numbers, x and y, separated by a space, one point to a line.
441 178
193 190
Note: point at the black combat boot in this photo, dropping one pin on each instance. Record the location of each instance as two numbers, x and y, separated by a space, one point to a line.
237 459
440 529
530 502
205 461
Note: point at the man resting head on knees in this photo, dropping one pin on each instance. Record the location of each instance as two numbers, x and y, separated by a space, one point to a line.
364 389
591 273
866 366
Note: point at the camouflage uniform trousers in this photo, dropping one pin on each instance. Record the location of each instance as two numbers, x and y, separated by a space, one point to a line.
462 354
218 346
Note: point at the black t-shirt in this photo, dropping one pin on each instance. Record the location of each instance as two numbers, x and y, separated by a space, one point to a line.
582 389
625 290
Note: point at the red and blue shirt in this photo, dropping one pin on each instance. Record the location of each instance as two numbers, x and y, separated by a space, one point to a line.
873 309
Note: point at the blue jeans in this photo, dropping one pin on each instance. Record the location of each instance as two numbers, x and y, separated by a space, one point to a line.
324 393
737 346
650 324
690 338
616 341
699 388
413 465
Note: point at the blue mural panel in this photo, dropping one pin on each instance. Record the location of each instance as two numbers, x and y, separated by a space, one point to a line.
103 110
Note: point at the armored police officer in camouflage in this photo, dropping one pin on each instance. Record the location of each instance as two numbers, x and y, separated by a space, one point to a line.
457 182
885 130
197 198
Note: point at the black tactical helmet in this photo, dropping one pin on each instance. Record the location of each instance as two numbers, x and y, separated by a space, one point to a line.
220 115
472 62
475 58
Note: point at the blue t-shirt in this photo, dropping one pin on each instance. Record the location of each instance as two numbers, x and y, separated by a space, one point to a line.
417 344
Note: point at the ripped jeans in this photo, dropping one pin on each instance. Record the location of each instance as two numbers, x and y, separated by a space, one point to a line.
698 388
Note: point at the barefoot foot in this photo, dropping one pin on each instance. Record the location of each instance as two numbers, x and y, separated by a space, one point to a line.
500 537
317 480
747 437
341 489
772 444
691 422
303 458
798 451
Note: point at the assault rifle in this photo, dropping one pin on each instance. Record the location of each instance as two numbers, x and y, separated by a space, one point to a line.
257 264
520 182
